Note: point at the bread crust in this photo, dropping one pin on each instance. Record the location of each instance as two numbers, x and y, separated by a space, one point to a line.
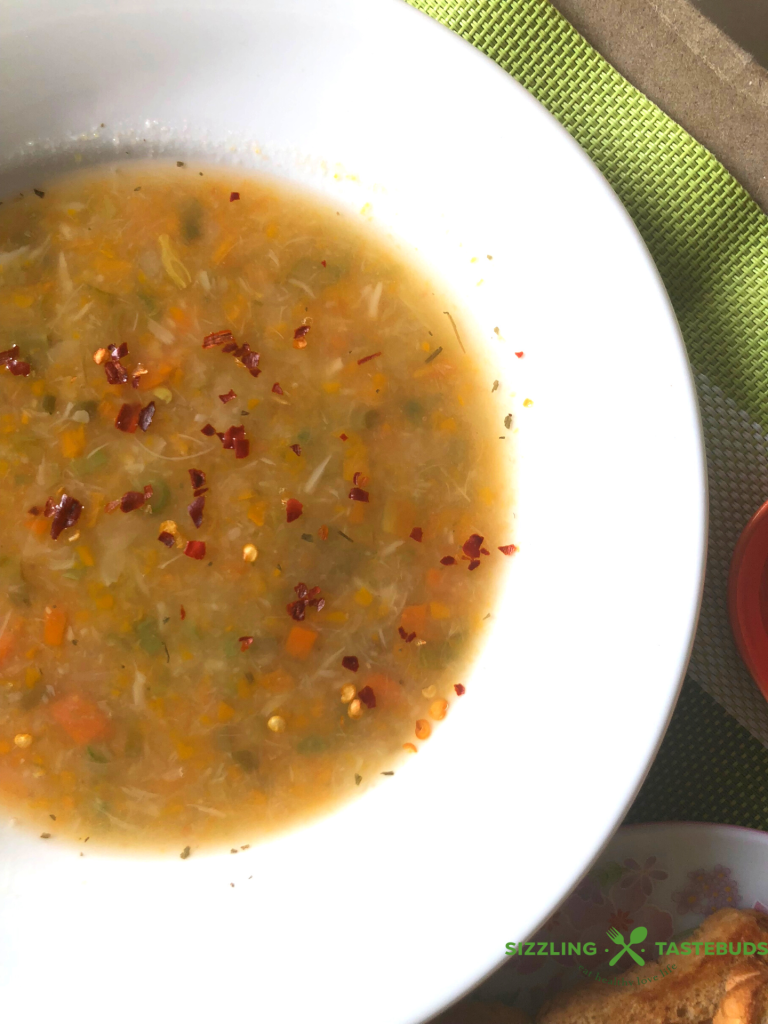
693 992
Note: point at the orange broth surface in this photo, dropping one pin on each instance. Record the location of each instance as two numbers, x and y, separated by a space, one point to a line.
234 588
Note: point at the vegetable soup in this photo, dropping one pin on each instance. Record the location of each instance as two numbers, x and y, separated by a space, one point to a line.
255 506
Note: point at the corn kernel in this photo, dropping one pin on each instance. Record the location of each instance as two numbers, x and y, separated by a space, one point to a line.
250 552
84 554
276 723
224 712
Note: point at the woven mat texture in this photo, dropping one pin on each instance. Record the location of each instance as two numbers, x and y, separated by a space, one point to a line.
710 242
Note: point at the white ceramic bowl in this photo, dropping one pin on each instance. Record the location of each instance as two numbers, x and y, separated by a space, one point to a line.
394 906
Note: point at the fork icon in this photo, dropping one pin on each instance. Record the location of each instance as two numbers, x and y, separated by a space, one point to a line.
637 935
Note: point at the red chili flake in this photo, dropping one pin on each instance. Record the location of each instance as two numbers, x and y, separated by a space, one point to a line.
132 500
118 351
471 547
358 478
448 560
148 491
367 696
343 437
408 637
137 374
127 419
350 661
228 397
484 551
10 360
34 511
195 549
197 478
520 355
229 346
249 359
167 539
293 509
146 416
417 534
64 513
307 596
366 358
208 430
245 642
276 389
301 332
358 494
296 448
460 689
322 533
508 549
182 612
217 338
199 490
116 374
112 506
242 447
195 510
473 564
234 196
322 263
232 434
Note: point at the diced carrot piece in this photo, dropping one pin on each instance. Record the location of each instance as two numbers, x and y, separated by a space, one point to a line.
72 442
277 681
80 718
224 711
38 525
435 579
157 374
388 692
300 642
180 317
7 643
414 619
55 626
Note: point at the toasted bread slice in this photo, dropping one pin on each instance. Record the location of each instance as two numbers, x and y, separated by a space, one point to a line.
693 993
746 995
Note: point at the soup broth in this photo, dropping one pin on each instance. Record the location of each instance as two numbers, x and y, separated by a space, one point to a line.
255 506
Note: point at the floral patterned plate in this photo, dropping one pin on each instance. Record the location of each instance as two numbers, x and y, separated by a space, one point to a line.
666 877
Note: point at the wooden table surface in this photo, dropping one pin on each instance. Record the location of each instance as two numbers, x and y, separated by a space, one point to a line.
698 75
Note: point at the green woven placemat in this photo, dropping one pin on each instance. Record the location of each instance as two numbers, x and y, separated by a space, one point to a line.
708 237
710 242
